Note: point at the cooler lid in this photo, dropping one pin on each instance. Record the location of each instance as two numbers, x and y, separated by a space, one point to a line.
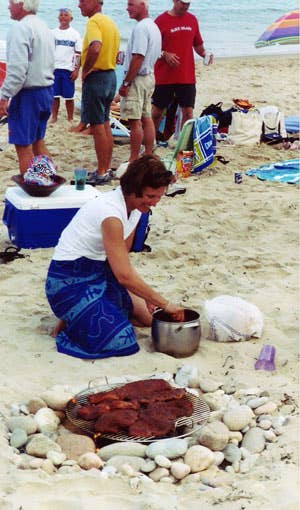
65 197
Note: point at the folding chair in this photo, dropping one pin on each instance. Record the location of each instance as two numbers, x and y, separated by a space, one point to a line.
184 143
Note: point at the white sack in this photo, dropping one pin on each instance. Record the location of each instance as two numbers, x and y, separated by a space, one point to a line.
233 319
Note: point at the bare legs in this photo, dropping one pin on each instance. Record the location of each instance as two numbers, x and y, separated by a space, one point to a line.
187 113
141 131
103 141
26 152
69 107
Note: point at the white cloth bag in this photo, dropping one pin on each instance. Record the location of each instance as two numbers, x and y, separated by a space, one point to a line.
245 128
233 319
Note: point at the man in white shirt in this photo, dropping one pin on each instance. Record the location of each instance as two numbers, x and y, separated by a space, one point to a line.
143 49
68 45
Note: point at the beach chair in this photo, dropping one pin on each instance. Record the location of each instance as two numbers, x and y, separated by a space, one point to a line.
184 143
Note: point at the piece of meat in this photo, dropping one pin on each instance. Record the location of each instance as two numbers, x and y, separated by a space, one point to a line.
171 409
91 412
160 396
149 426
131 391
115 421
124 404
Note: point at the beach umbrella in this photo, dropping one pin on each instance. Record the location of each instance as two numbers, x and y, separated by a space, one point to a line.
285 30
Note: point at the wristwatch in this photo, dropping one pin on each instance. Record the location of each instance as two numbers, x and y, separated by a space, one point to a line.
126 83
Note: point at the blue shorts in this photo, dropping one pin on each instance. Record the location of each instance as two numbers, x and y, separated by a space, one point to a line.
63 85
164 94
28 113
98 91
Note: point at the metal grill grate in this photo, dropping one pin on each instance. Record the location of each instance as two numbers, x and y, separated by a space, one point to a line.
183 426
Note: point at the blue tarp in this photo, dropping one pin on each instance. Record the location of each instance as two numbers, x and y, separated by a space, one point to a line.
292 124
282 171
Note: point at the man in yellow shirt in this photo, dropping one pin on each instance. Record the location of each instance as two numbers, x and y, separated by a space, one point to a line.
98 59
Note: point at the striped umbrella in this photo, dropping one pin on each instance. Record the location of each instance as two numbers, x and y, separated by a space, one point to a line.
285 30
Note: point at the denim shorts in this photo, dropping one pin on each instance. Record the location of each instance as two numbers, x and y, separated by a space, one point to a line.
28 113
98 91
63 85
184 92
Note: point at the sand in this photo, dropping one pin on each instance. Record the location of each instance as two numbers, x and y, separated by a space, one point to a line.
218 238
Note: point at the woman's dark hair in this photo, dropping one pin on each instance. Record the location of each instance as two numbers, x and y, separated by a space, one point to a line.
145 171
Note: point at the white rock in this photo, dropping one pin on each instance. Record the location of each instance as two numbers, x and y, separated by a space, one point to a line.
192 478
209 385
218 458
270 436
35 404
256 402
46 420
244 452
265 424
137 463
57 398
168 479
198 458
170 448
148 466
162 461
279 421
214 435
64 470
248 391
48 467
232 453
179 470
229 469
236 466
245 429
26 423
217 400
127 470
238 419
186 376
236 435
122 448
35 463
89 461
254 440
15 410
40 444
57 458
158 473
18 438
268 408
278 430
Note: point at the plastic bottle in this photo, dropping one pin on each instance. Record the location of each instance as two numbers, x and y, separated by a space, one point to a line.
266 359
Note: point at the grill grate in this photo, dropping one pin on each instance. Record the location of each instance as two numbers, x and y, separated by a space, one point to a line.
193 422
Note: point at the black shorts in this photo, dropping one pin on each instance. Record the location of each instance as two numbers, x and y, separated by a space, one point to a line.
185 93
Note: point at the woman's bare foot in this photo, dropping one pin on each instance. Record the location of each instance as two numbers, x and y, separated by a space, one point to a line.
60 326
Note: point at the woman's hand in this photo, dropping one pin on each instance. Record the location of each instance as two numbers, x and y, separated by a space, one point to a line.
176 311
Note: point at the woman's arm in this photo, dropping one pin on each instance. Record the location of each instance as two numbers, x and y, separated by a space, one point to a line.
118 258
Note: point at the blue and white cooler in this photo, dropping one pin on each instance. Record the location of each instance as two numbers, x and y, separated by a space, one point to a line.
37 222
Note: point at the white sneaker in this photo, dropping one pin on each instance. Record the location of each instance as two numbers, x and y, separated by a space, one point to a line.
175 189
121 170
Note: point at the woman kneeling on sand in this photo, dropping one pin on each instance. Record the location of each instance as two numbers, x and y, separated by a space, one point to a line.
91 285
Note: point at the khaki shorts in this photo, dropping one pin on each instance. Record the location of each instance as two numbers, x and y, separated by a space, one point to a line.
138 102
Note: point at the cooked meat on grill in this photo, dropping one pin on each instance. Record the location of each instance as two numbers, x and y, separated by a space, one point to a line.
149 426
131 391
116 421
91 412
171 409
161 396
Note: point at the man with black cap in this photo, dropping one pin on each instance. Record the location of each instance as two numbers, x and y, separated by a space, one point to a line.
175 69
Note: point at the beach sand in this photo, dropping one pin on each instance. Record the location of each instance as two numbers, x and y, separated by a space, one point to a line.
218 238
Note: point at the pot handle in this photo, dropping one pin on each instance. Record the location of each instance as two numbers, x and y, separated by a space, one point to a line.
185 326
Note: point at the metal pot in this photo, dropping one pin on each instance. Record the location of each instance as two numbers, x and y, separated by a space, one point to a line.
179 339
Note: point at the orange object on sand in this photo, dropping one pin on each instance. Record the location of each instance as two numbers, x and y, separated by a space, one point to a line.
243 103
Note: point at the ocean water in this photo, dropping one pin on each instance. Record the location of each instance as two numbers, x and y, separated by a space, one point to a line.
228 27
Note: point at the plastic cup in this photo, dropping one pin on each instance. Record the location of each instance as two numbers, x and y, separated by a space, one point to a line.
266 358
80 175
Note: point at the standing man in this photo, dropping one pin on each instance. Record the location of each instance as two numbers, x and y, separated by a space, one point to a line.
143 49
29 81
67 62
175 70
99 53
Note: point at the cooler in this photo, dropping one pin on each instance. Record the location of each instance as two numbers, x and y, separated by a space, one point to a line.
37 222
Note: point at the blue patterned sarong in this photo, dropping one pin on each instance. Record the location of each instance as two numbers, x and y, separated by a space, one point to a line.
95 307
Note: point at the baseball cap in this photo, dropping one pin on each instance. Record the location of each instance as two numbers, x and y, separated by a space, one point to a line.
186 1
65 9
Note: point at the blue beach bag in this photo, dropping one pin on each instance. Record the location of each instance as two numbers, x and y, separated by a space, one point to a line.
204 142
